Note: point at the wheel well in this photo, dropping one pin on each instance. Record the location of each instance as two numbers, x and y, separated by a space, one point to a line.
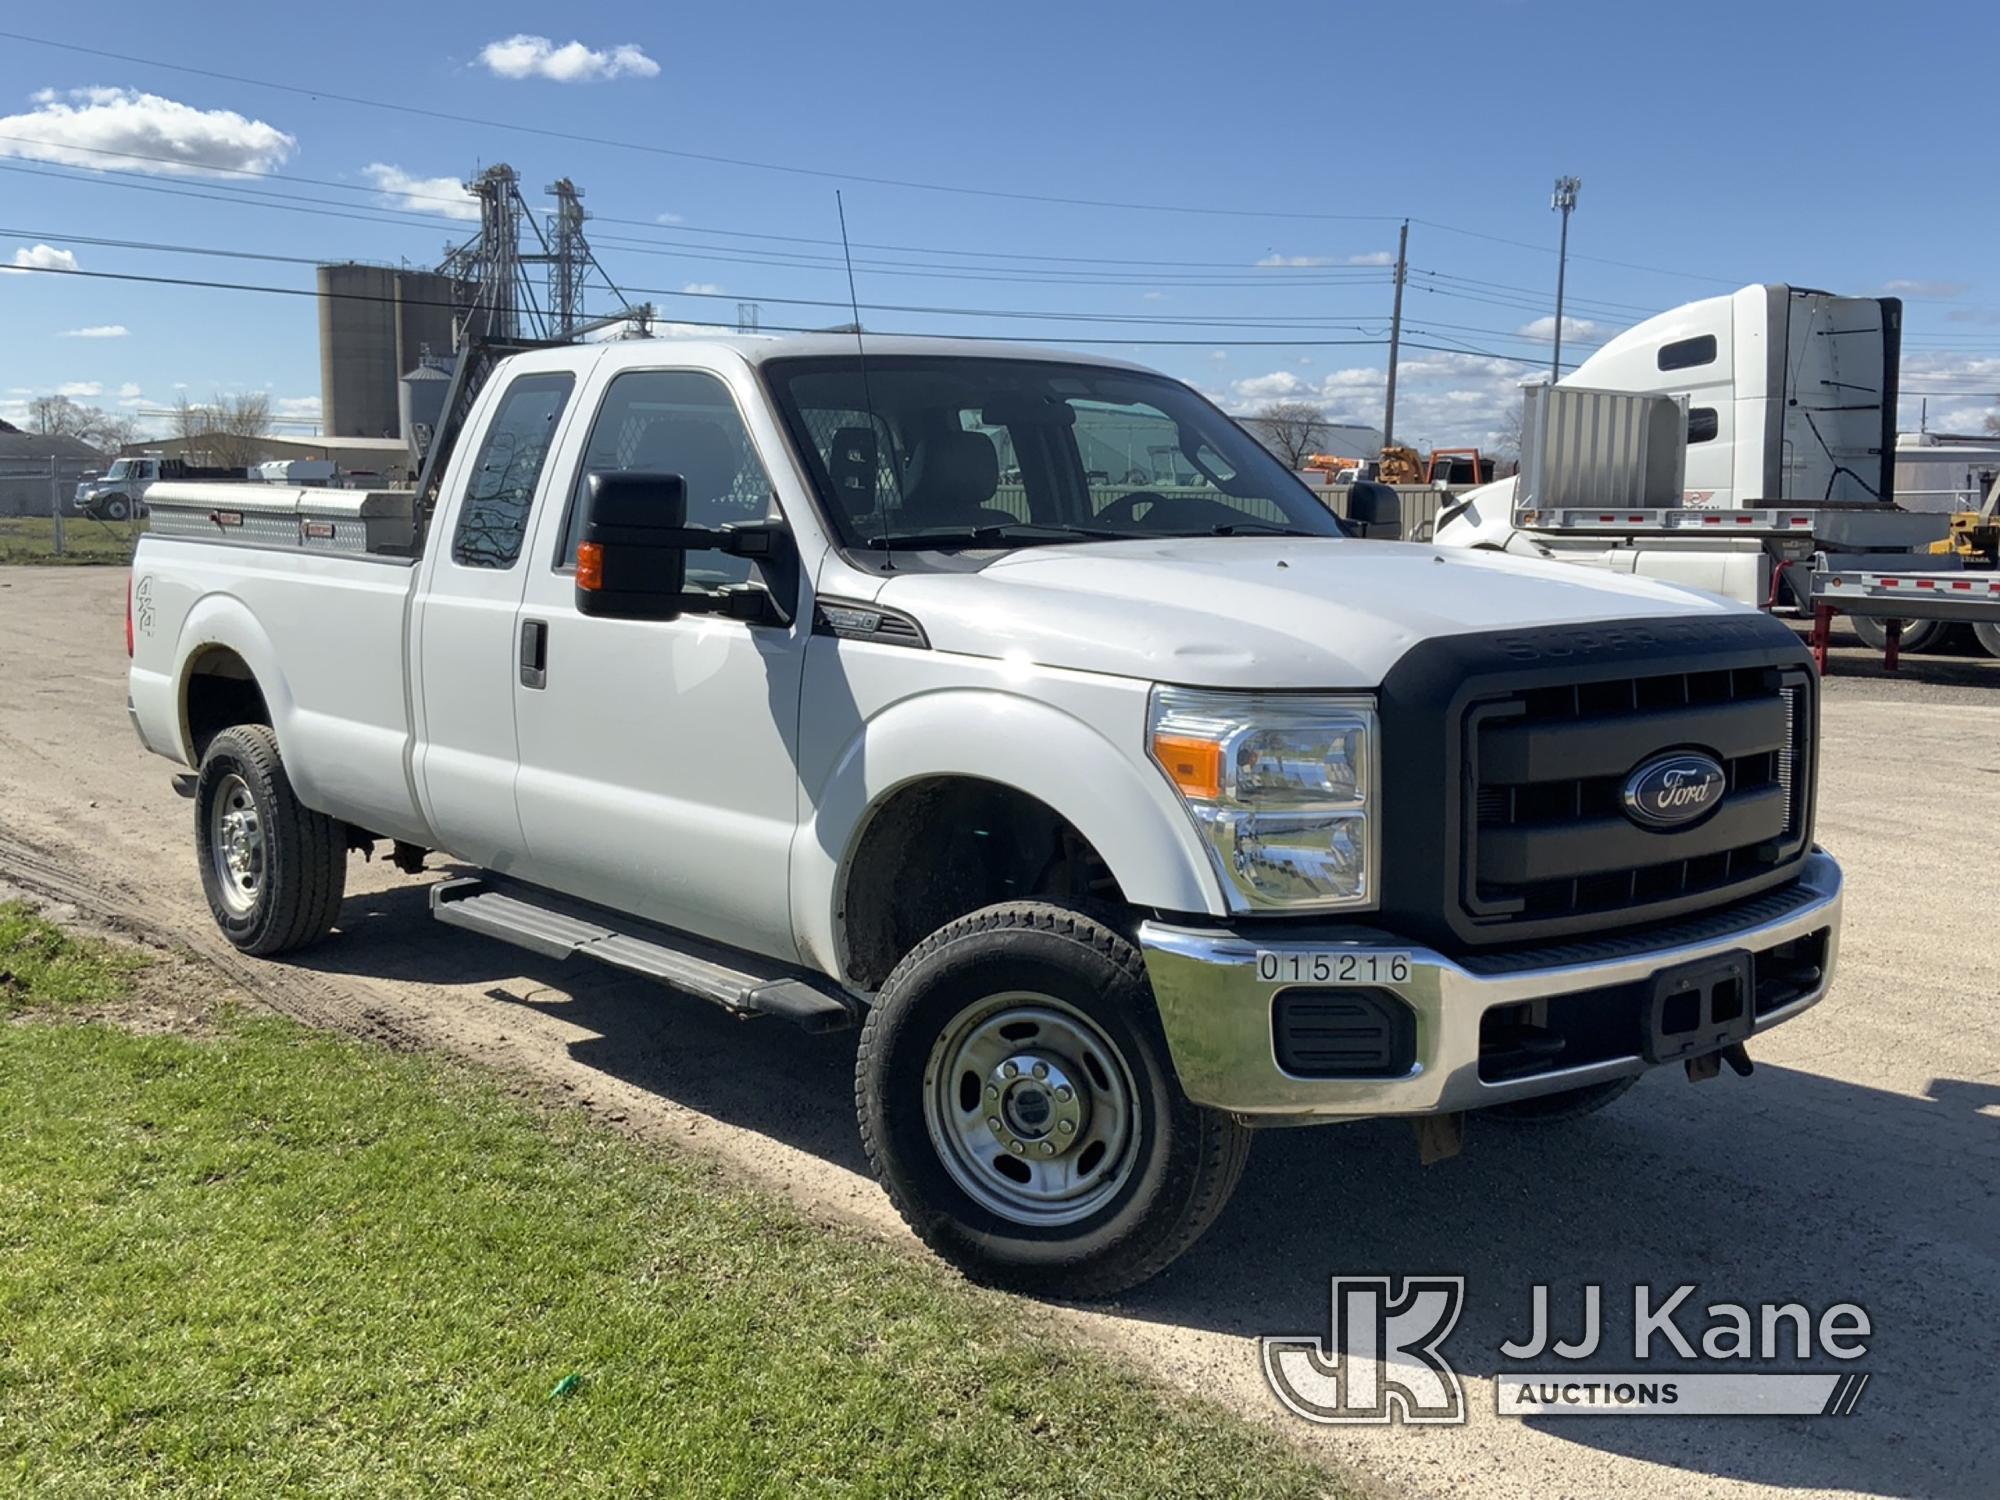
221 691
939 848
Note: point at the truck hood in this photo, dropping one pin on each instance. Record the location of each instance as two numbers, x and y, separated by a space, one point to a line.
1277 612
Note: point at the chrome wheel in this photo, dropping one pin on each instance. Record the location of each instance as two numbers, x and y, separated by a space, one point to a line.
236 844
1032 1109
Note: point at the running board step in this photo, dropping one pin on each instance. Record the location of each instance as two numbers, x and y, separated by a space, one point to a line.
557 929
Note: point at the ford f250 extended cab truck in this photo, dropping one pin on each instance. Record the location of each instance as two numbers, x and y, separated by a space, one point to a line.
1123 817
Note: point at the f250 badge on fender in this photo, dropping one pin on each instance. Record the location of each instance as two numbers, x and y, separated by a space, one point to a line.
1674 789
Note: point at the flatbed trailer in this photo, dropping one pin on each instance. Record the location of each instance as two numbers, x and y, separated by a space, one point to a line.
1955 595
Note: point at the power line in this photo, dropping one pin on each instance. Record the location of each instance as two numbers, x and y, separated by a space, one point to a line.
407 301
729 255
1316 264
1157 319
653 149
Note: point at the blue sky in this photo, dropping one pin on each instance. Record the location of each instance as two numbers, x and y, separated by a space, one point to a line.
1718 145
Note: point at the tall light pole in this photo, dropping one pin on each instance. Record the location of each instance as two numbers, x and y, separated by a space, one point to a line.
1563 200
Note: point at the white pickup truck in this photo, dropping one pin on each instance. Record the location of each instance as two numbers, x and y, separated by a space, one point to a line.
1124 817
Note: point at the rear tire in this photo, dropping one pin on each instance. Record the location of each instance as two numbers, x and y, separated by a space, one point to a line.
1918 635
1018 1103
273 870
1988 636
1555 1109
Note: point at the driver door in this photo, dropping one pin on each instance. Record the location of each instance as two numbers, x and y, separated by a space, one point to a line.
658 769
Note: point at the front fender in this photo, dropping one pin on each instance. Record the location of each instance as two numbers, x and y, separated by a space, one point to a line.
1118 802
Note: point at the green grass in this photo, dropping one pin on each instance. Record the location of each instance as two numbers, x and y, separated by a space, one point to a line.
41 965
32 539
272 1261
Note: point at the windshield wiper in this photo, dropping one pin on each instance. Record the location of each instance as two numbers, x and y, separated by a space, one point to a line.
1257 528
1013 533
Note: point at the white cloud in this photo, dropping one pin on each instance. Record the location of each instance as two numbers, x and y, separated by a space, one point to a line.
429 195
96 331
78 389
95 127
41 258
299 408
668 219
1279 385
1544 329
1444 399
1942 290
1300 262
129 390
523 56
1153 297
702 289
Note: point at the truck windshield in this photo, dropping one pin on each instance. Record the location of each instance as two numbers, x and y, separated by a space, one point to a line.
953 451
120 470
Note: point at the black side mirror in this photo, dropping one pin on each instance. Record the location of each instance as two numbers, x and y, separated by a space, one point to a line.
631 559
1375 510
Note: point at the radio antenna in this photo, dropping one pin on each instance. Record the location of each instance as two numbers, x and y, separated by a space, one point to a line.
867 396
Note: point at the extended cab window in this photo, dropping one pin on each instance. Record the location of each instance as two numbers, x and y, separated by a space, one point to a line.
679 422
494 517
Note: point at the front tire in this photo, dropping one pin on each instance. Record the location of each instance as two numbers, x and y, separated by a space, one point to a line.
1018 1103
116 508
273 870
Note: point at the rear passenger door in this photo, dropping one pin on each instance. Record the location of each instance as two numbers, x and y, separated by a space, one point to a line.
464 634
658 768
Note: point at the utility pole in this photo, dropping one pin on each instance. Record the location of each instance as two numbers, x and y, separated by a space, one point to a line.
1396 333
55 504
1564 201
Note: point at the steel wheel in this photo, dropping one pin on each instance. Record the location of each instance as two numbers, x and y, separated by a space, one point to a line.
236 844
1031 1109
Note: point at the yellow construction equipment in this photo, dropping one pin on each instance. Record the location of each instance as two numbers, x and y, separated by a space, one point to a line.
1975 534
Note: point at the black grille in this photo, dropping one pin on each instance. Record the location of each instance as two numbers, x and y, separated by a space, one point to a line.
1549 837
1343 1034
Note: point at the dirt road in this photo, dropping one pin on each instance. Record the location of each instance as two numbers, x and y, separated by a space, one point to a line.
1860 1163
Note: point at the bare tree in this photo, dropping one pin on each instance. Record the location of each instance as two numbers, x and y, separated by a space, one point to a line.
1291 429
1507 433
229 430
1993 421
58 416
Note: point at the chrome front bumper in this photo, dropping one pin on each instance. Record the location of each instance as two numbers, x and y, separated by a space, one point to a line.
1218 1014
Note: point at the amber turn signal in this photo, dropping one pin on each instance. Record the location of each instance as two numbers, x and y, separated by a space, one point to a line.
590 566
1193 765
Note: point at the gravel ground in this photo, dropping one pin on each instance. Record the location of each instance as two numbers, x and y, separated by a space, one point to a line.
1860 1162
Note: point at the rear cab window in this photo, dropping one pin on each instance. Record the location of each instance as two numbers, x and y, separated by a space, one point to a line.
493 517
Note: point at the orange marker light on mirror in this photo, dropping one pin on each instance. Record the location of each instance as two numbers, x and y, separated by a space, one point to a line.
1193 765
590 566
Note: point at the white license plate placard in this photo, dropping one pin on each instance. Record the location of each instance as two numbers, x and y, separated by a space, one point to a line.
1332 966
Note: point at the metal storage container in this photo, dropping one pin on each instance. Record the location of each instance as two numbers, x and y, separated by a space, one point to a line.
1611 448
310 520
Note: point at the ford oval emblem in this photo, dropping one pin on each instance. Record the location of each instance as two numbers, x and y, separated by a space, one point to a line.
1674 790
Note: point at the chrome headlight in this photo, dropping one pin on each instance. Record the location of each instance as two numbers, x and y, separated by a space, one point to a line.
1282 788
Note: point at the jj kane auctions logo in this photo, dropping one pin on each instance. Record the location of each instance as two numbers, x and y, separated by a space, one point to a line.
1382 1359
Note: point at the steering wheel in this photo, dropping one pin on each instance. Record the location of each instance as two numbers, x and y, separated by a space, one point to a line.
1123 510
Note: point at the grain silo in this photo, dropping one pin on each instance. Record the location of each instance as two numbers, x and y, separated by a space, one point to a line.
375 323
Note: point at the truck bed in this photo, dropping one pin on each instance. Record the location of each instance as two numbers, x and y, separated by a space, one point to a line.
326 635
